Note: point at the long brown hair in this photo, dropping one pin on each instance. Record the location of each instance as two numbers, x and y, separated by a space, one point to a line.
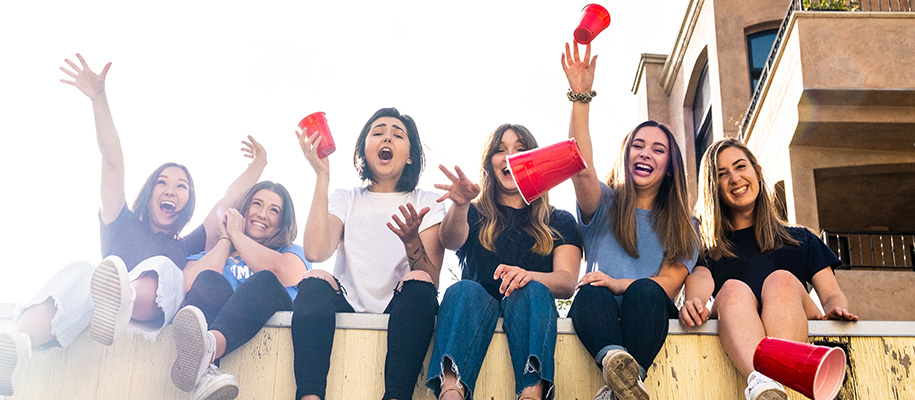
493 222
287 231
715 219
671 217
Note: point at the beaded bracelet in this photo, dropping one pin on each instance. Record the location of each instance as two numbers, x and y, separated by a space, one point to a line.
584 97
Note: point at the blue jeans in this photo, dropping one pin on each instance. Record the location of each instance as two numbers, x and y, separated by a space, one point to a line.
467 320
639 324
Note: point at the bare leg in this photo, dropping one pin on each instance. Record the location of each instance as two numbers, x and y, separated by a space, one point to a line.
450 379
36 322
533 392
739 325
220 344
144 305
786 307
310 397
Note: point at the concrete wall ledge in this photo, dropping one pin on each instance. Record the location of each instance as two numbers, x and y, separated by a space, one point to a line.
564 326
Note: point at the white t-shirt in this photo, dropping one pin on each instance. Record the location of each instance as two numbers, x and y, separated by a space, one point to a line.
371 259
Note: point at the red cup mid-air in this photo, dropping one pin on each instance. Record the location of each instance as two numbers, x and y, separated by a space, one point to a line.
317 122
537 171
814 371
594 19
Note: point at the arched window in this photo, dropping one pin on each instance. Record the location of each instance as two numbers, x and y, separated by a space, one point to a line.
759 45
702 115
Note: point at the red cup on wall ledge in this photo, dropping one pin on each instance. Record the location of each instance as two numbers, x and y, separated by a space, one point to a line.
317 123
537 171
594 19
814 371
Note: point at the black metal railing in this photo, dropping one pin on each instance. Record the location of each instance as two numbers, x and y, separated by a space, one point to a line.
872 249
798 5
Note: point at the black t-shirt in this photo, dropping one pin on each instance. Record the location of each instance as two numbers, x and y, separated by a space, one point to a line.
513 246
752 267
129 238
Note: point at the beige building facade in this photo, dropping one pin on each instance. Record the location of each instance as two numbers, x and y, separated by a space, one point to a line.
832 120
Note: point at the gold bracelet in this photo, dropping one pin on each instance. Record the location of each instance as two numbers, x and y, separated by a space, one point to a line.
584 97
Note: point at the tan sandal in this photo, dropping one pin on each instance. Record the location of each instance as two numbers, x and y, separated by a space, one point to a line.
452 388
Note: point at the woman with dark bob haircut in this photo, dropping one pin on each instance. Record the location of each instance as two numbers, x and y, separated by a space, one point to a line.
234 288
384 264
139 283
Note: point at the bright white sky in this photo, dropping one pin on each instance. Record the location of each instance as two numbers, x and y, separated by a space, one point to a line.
191 79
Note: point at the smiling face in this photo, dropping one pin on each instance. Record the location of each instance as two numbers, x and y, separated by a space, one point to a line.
510 144
649 155
264 215
387 149
169 196
738 180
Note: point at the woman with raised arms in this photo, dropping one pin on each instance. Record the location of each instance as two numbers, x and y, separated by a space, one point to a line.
639 240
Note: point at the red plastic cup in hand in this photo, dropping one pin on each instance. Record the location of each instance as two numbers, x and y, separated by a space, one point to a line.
317 122
814 371
537 171
594 19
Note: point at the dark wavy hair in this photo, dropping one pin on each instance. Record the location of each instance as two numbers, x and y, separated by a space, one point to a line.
287 231
141 204
411 172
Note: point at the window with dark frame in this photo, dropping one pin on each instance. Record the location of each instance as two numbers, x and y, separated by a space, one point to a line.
759 45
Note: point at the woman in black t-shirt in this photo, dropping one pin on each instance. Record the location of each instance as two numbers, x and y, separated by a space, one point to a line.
755 265
515 258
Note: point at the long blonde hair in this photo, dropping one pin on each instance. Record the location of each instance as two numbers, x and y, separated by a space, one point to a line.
493 222
671 217
715 219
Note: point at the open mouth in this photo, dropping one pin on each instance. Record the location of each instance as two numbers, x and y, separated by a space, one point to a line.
639 167
506 172
385 154
168 206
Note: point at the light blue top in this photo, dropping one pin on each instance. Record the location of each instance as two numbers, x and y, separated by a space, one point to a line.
236 271
604 253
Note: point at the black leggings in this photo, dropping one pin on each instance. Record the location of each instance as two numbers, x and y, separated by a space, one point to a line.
410 327
239 314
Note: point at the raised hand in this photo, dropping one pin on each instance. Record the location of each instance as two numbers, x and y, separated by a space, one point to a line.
309 147
253 149
579 71
693 313
88 82
461 190
512 278
408 228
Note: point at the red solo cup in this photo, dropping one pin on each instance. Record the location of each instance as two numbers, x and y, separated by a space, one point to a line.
594 19
814 371
317 122
537 171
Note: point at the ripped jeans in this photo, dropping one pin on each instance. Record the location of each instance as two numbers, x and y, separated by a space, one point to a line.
466 323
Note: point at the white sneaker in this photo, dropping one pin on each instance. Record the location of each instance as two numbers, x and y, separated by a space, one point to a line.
215 385
761 387
621 374
604 394
195 346
15 349
113 298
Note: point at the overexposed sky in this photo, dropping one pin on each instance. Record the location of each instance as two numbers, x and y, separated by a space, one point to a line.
190 80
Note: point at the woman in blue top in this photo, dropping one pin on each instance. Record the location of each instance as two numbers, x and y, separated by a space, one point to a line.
515 258
755 265
639 242
236 287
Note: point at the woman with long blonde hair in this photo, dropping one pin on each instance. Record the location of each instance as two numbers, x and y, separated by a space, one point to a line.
639 242
755 265
515 259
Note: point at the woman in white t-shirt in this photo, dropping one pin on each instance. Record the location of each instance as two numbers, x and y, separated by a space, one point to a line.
389 256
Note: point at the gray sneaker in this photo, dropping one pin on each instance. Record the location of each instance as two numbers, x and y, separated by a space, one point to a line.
112 297
761 387
605 394
195 347
621 374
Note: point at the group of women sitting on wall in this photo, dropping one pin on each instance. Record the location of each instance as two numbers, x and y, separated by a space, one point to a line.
220 283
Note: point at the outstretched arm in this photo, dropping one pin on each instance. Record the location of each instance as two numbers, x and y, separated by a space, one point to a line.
237 189
580 73
454 229
109 144
322 230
